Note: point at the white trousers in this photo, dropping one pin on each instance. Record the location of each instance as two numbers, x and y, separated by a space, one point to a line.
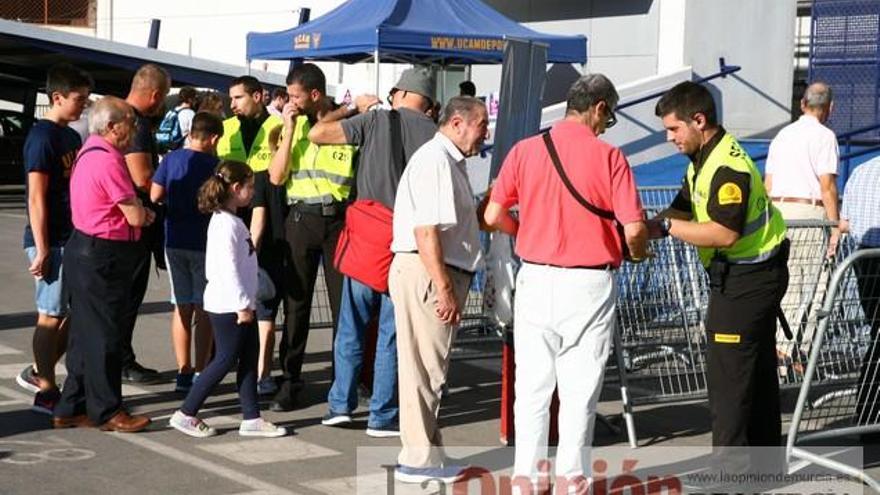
564 319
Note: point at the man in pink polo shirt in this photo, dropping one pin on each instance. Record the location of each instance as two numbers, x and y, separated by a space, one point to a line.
566 289
99 259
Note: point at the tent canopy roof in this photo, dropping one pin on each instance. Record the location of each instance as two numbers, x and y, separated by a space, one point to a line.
409 31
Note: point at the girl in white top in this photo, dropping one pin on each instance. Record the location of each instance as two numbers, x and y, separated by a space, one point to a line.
230 299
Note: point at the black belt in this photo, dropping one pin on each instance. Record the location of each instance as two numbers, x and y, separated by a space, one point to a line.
606 266
104 243
325 210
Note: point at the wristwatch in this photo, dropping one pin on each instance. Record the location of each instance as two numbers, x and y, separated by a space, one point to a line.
665 225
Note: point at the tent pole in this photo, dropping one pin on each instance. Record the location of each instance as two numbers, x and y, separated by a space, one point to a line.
376 61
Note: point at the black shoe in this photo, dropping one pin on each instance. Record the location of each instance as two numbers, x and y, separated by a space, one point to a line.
286 398
283 404
135 373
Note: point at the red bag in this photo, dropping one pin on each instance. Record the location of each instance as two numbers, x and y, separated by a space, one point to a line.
364 248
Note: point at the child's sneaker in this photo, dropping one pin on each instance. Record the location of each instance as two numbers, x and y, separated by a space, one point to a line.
27 379
184 382
260 428
267 386
45 402
190 425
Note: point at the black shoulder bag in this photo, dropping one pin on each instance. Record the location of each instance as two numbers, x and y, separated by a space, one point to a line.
607 215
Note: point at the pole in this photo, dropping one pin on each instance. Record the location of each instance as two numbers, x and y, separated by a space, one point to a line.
376 61
153 41
304 15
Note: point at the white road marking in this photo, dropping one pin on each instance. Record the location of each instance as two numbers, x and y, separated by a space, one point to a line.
268 450
5 350
204 465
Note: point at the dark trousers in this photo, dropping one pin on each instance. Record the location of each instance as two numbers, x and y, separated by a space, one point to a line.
233 344
741 354
868 398
140 277
312 239
99 276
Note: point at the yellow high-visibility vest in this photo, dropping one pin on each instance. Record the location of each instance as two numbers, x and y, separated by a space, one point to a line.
764 228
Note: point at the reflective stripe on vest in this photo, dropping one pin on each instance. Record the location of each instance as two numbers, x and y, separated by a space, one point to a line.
231 145
319 174
764 228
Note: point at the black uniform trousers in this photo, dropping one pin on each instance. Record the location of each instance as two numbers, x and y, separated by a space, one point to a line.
741 352
99 276
867 272
312 238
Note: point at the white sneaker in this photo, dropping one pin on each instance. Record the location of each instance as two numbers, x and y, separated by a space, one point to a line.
260 428
190 425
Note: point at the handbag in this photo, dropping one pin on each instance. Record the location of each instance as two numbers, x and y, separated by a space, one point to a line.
607 215
364 248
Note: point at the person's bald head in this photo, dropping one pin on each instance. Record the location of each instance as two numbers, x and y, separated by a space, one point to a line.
818 101
149 87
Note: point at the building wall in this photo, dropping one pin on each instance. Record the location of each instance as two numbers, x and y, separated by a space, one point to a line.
757 35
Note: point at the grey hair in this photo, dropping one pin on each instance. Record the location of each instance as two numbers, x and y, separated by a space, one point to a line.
817 95
108 110
465 106
589 90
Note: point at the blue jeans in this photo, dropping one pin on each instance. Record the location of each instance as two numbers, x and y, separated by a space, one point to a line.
358 304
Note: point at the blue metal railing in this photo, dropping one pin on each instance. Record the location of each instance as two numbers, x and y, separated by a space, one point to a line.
724 71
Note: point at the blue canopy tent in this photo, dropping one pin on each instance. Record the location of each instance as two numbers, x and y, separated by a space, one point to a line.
409 31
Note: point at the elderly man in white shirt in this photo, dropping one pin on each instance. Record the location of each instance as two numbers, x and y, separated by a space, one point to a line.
437 250
801 179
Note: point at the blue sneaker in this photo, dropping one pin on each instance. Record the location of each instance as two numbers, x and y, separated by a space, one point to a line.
446 474
183 382
391 430
335 419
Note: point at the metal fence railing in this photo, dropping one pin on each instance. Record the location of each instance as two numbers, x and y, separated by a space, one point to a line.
840 392
661 341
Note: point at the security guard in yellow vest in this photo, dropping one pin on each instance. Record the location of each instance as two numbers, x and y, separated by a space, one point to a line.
319 180
251 136
724 211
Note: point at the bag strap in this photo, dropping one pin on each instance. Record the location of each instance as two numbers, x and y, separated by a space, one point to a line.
557 164
398 153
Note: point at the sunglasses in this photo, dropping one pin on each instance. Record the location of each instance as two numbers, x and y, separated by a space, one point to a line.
611 120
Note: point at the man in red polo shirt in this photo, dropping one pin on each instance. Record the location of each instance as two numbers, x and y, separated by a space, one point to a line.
566 289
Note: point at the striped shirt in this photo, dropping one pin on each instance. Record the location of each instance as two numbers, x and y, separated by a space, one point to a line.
861 204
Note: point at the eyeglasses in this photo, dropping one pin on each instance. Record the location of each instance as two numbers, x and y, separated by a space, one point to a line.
391 95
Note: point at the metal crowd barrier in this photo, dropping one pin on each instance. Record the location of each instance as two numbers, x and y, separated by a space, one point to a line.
660 341
476 339
840 391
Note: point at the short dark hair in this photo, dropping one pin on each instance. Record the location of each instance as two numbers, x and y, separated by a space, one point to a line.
309 76
467 88
187 94
250 83
279 93
205 125
64 78
685 100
